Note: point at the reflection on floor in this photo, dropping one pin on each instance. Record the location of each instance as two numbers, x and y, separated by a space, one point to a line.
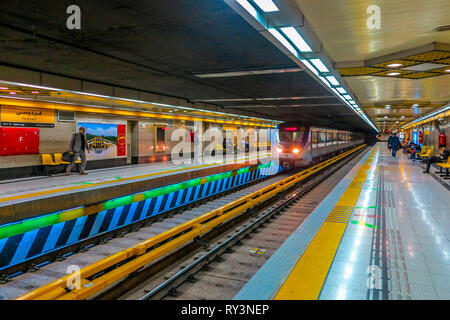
396 245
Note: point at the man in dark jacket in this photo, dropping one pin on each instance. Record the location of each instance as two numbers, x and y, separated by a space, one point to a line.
394 142
441 159
78 145
389 142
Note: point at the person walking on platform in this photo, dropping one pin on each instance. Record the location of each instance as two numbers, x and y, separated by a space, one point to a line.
394 142
389 142
78 145
441 159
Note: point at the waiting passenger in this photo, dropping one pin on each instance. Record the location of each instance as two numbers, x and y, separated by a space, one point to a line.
78 145
441 159
415 149
394 142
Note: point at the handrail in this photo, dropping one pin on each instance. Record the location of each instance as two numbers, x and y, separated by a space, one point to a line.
151 249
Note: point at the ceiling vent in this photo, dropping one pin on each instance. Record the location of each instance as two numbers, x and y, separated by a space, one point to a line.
68 116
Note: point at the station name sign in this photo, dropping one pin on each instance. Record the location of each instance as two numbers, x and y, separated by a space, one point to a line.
26 117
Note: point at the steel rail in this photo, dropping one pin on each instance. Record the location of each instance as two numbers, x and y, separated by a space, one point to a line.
33 264
104 273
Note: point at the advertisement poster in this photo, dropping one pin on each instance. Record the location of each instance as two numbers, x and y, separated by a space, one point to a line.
105 140
27 117
121 140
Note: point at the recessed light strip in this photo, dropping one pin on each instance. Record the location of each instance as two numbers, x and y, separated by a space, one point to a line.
283 41
290 37
296 39
266 5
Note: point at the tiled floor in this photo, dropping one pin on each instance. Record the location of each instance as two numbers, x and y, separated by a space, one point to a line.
399 233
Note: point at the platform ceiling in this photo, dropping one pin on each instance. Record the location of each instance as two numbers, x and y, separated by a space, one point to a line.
160 47
408 27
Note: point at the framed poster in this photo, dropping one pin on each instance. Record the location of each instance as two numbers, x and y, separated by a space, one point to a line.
27 117
105 140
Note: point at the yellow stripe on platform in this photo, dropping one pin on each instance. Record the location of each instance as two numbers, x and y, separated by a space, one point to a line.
307 277
52 191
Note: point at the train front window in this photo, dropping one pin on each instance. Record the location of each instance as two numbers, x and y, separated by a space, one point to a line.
289 137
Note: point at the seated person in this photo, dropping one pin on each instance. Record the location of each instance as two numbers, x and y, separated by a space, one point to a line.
441 159
407 146
415 148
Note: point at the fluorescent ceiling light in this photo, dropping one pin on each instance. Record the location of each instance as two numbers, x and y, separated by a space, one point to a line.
333 80
247 6
346 96
325 81
292 98
319 65
266 5
393 74
425 67
283 40
341 90
296 39
223 100
246 73
352 102
394 65
309 66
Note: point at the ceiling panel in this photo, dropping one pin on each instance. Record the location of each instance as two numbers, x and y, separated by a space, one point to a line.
154 46
405 25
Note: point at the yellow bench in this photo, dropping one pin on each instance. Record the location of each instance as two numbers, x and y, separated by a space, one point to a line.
58 159
444 166
426 154
49 161
424 150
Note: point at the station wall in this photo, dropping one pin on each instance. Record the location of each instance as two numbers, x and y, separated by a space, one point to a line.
431 133
141 146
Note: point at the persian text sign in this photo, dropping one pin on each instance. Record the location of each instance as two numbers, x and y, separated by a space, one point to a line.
27 117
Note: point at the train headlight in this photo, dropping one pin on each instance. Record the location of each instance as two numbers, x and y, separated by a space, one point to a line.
279 150
296 150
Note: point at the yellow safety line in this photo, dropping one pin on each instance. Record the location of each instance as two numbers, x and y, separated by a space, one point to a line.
307 278
180 235
40 193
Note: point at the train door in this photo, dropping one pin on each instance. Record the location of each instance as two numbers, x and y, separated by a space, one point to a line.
160 139
314 142
133 154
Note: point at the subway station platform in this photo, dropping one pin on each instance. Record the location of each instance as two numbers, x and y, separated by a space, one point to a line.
382 234
26 198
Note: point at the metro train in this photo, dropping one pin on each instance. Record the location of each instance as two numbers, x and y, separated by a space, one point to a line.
301 144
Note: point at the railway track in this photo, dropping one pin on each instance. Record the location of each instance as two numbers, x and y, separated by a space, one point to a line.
219 269
22 277
125 263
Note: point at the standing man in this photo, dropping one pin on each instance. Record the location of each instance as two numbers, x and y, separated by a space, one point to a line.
395 144
78 145
389 142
